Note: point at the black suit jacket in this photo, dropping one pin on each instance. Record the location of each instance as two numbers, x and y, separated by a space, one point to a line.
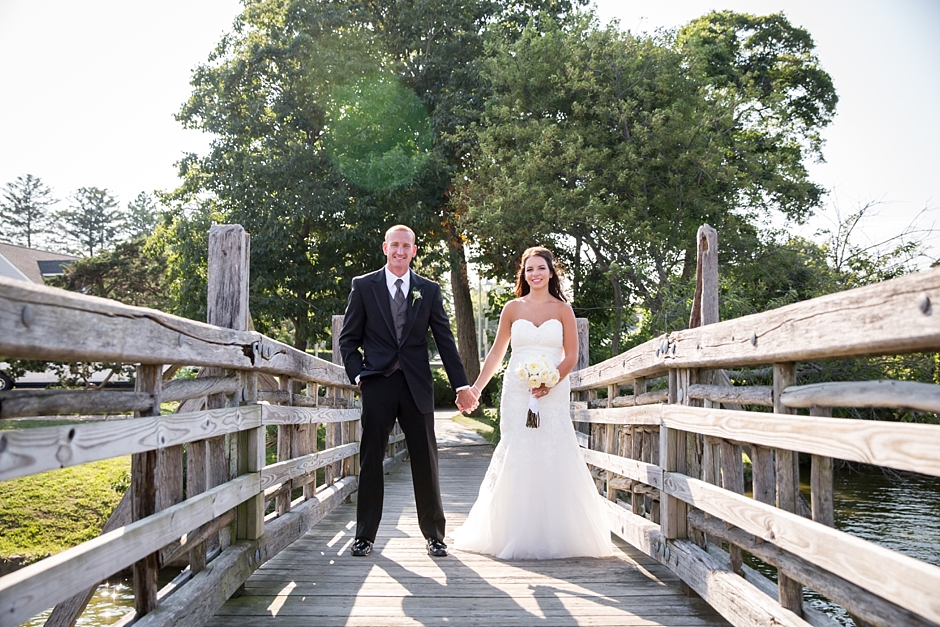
368 326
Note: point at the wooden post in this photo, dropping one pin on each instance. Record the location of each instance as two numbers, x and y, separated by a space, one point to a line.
196 483
610 446
144 495
227 306
584 360
788 485
249 516
732 479
672 449
705 301
821 480
284 445
638 500
334 430
310 489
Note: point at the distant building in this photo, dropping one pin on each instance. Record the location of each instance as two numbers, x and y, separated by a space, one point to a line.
30 264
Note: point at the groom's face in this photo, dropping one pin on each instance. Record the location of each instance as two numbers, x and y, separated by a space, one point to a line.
400 249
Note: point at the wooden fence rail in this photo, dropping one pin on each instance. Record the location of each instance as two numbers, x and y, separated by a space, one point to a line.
671 465
238 511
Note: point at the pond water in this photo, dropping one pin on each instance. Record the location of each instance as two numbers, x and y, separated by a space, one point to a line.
899 512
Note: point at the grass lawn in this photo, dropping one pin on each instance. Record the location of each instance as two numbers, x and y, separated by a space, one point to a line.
49 512
486 425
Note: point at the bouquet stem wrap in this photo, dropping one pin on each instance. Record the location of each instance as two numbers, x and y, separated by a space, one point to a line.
532 418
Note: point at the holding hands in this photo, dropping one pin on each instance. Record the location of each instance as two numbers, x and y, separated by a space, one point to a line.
468 399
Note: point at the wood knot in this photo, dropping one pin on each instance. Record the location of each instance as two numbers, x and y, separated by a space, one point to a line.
925 307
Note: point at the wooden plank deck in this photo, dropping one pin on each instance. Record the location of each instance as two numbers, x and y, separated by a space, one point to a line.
316 582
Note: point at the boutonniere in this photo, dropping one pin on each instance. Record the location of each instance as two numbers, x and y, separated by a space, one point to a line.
415 296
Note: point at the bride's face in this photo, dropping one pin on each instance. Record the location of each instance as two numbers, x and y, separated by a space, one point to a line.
536 272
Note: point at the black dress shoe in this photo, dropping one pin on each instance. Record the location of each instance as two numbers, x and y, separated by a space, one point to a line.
436 548
361 547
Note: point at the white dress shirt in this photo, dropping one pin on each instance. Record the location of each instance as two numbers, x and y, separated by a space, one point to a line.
390 282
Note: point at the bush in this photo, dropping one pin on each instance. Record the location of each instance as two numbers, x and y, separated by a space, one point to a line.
444 395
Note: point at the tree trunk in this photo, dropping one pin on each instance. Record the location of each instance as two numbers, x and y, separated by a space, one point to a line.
463 309
618 316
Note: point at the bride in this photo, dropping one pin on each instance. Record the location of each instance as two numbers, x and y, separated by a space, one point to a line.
537 500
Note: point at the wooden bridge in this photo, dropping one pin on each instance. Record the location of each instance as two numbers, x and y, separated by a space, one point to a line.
664 433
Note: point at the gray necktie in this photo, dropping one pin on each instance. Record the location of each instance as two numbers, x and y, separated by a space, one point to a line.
399 295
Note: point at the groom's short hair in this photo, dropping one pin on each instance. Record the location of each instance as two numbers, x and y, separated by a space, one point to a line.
401 227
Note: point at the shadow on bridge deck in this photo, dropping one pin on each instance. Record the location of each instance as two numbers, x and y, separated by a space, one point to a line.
316 582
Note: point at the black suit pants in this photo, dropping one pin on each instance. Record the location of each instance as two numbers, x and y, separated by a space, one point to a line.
385 399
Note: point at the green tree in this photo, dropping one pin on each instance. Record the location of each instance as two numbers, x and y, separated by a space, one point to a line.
132 273
330 121
23 210
141 216
614 148
92 222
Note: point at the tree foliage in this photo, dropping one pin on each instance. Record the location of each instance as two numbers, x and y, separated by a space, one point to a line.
92 222
23 211
614 149
331 122
141 216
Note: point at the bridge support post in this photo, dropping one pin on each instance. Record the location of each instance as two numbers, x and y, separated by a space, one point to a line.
672 451
790 591
144 494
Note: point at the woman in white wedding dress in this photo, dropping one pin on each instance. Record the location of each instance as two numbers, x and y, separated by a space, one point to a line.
537 500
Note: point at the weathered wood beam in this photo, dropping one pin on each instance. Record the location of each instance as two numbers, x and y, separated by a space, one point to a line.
645 415
30 451
741 395
910 394
28 591
197 601
17 403
631 400
887 318
730 595
305 465
902 446
185 389
649 474
855 599
279 415
906 581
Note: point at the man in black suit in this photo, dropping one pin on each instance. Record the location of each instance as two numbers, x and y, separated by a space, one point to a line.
388 317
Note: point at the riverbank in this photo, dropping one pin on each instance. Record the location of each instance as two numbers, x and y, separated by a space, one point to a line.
44 514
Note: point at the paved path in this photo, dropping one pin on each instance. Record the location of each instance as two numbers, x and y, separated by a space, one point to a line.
316 582
449 433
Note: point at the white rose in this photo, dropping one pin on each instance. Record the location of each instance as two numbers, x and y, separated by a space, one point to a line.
552 379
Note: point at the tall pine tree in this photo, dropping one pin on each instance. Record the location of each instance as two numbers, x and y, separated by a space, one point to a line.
93 221
23 211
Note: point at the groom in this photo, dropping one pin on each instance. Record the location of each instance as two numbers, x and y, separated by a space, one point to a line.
388 317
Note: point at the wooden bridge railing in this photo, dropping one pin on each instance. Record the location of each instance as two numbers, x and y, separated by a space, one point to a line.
670 460
225 518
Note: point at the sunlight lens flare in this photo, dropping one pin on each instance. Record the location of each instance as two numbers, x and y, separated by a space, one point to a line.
379 132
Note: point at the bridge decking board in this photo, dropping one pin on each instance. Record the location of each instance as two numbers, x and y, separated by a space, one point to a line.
316 582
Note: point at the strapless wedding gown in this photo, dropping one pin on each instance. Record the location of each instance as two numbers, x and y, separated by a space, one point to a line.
537 500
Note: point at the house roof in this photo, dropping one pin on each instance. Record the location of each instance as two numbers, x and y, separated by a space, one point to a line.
30 264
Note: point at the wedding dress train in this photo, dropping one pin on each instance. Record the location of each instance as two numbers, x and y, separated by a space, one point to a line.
537 500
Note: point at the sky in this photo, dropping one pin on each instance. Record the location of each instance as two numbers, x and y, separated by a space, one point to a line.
90 88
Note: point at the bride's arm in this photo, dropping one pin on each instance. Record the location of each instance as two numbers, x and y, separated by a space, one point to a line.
500 343
570 330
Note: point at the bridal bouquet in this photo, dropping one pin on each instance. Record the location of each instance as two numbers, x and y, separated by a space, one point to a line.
536 373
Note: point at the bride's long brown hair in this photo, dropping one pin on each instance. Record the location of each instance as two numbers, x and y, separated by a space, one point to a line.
554 285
